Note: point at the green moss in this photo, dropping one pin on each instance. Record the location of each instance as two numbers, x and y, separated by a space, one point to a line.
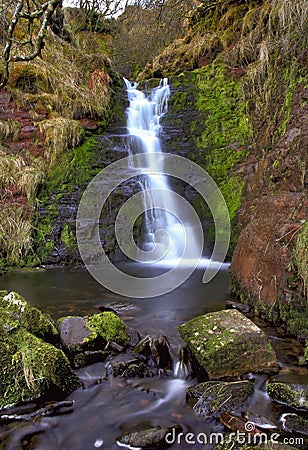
300 257
16 312
288 394
290 79
295 318
30 366
68 238
226 136
219 340
108 326
74 167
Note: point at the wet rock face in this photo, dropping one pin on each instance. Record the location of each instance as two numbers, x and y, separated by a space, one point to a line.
260 258
228 344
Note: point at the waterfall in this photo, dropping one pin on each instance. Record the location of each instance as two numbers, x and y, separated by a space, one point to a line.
163 230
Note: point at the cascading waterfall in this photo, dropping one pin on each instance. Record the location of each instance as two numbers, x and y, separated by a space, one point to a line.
162 228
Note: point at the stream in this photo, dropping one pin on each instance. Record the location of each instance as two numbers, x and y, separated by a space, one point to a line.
106 406
103 411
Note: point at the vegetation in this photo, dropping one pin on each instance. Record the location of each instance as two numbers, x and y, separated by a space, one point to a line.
30 365
300 256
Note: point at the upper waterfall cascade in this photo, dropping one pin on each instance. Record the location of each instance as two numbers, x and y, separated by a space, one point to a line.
167 235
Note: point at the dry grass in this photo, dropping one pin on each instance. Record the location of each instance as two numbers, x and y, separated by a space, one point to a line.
15 233
61 134
22 171
9 129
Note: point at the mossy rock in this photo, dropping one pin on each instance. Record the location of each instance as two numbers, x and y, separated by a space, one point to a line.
294 395
15 311
228 344
30 367
292 423
92 332
215 396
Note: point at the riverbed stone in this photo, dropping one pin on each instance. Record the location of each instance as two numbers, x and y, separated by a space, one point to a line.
292 423
213 397
295 395
151 438
228 344
92 332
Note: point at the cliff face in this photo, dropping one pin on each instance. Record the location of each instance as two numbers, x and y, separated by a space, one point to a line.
247 62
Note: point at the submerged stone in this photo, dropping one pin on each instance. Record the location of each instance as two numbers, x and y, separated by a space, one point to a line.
214 397
228 344
295 395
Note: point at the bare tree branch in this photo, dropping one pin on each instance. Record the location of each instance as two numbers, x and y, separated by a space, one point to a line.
23 12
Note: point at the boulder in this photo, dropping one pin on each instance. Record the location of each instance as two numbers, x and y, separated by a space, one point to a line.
295 395
213 397
292 423
92 332
228 344
29 365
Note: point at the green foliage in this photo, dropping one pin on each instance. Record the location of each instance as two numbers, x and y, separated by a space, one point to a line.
68 238
226 133
74 167
300 256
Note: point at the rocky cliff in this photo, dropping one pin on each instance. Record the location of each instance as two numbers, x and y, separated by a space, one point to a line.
246 64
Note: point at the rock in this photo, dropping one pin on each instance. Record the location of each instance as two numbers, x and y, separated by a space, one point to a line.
30 367
236 424
15 311
294 395
213 397
156 351
92 332
239 306
292 423
259 421
228 344
154 437
73 332
130 368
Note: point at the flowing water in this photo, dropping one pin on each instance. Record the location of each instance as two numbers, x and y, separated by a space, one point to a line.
164 239
103 410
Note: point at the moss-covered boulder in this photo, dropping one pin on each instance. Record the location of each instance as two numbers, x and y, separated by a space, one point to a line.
92 332
228 344
15 312
212 397
30 367
295 395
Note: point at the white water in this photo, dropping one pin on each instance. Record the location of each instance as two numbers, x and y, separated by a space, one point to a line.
164 233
